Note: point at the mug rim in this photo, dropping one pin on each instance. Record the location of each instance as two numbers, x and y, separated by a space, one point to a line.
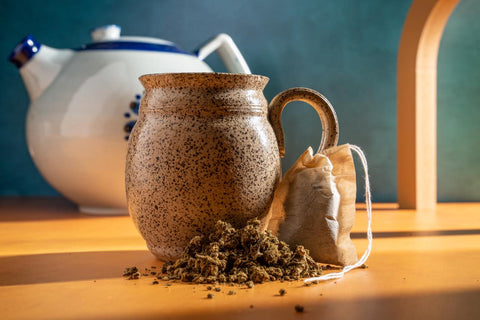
207 79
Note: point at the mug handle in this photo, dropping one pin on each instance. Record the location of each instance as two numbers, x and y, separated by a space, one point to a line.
323 107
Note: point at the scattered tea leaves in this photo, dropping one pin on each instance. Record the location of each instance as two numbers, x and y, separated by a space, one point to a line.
299 308
131 273
244 256
330 267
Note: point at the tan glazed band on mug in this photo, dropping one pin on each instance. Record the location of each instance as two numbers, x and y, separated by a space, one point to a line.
323 107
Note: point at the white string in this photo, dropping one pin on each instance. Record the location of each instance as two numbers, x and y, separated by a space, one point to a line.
368 202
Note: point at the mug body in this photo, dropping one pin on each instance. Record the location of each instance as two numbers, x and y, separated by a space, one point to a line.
203 150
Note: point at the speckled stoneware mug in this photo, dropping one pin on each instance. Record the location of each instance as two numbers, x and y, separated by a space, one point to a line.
207 147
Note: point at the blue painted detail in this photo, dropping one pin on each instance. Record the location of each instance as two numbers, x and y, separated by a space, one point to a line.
134 106
126 138
131 45
24 51
129 126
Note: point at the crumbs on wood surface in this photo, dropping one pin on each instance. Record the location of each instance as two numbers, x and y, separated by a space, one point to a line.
299 308
131 273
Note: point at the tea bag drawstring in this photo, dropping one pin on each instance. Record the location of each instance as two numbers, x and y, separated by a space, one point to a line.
368 202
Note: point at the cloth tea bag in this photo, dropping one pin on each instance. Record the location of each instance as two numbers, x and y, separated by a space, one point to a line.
314 205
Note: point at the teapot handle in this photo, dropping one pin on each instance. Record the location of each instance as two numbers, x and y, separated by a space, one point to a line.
323 107
228 52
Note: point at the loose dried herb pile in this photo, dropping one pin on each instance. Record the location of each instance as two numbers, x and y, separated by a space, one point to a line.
243 256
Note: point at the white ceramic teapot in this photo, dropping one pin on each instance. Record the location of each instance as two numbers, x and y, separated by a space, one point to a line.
84 103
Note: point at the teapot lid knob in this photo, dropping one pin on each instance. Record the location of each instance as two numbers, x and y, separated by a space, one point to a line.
105 33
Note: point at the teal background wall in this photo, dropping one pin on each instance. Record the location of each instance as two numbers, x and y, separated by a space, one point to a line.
345 49
458 105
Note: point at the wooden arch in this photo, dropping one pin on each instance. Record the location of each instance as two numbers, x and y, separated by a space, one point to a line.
417 102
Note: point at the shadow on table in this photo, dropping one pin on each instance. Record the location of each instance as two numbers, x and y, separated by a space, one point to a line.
36 208
426 233
60 267
437 305
41 209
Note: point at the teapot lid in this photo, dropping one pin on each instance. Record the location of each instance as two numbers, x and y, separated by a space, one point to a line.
108 38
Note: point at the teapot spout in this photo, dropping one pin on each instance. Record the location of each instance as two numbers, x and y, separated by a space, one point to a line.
38 64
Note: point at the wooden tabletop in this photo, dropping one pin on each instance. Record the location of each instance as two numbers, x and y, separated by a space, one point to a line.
56 263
